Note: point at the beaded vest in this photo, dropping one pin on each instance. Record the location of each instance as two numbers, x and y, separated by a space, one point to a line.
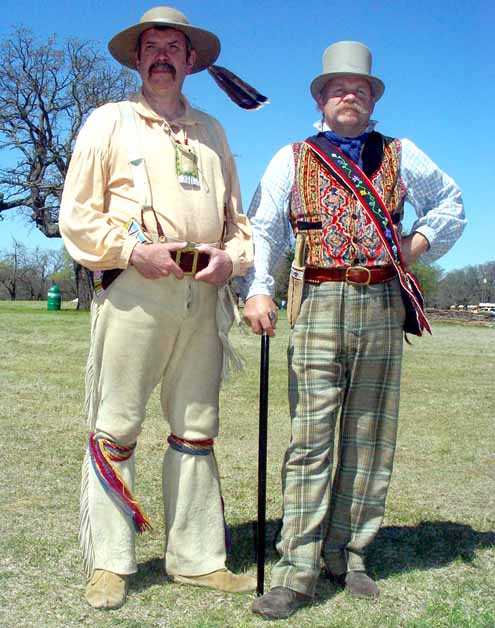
339 231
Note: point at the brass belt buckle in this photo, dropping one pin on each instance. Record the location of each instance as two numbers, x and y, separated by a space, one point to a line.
195 252
358 283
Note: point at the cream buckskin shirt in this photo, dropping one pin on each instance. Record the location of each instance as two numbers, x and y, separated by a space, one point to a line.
99 195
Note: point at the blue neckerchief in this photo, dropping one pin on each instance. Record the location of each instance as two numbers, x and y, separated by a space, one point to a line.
351 146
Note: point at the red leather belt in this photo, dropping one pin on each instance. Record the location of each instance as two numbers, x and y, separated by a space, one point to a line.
191 261
360 275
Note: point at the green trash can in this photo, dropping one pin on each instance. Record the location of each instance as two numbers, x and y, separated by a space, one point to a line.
54 298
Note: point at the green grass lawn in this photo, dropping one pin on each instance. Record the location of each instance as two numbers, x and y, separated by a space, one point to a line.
434 557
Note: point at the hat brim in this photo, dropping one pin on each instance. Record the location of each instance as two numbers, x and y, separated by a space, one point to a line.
122 47
377 86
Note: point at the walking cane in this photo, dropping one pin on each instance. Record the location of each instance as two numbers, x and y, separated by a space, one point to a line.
262 441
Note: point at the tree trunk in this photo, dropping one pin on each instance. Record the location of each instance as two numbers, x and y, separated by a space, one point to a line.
84 285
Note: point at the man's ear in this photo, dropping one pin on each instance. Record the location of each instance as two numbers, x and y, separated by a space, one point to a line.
319 102
191 61
321 98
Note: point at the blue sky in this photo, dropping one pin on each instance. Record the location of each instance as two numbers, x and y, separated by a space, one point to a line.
435 57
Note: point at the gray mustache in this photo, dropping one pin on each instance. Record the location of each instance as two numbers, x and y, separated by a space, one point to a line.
354 108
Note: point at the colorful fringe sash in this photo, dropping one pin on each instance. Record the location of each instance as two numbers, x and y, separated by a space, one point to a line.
200 448
103 453
193 447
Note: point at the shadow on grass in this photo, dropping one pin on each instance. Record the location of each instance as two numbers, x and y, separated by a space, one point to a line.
148 575
427 545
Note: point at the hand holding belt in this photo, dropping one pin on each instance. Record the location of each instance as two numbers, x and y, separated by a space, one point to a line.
190 260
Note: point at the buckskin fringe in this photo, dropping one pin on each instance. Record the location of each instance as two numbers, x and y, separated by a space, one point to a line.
226 314
85 534
91 381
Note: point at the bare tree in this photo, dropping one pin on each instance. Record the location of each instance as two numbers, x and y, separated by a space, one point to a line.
28 273
41 267
468 286
13 269
46 92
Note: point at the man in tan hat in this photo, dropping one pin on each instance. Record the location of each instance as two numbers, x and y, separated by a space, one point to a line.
342 193
151 204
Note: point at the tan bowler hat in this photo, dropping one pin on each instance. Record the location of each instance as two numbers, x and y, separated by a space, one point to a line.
347 58
207 45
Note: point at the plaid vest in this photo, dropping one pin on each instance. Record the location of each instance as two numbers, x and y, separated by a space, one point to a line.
339 232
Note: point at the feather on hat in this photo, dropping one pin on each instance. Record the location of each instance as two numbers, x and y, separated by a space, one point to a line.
206 45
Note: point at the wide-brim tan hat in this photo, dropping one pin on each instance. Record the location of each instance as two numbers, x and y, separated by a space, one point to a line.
347 58
207 45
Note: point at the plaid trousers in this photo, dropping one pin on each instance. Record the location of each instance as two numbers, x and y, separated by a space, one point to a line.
345 356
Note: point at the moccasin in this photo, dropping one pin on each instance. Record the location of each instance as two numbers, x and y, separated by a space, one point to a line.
357 584
106 589
222 580
279 603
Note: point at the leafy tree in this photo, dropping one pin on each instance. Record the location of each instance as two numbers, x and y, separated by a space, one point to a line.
429 277
47 90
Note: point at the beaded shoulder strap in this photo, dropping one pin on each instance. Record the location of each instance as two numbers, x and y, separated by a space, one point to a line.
352 177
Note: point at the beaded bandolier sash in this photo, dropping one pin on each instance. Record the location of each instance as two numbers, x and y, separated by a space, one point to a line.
339 233
348 216
374 208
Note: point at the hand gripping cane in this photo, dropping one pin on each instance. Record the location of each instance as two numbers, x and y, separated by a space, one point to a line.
262 441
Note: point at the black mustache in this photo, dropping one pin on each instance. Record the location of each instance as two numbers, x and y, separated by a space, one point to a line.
165 66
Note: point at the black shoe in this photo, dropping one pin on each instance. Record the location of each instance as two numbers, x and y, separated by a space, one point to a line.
279 603
357 584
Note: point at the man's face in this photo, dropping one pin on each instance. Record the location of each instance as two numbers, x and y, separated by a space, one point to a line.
347 104
163 60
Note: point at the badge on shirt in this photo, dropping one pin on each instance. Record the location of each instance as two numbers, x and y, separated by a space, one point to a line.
186 165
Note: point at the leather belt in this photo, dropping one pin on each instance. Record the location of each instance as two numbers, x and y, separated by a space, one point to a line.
359 275
190 260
